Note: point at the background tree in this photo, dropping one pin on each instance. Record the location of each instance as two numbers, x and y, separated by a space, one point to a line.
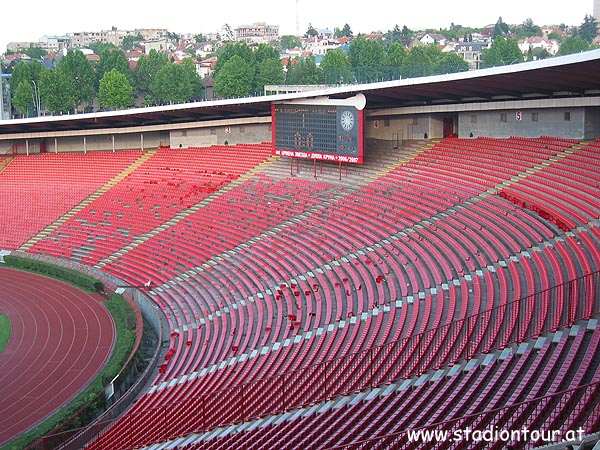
455 32
27 71
23 98
500 29
146 69
304 71
528 29
80 74
540 53
407 35
366 53
113 58
336 68
171 84
529 56
35 52
452 63
311 32
115 91
395 54
368 59
288 41
417 63
267 67
268 71
346 31
264 52
100 47
235 78
57 91
502 52
394 35
573 44
556 36
195 80
240 49
588 30
435 54
131 40
395 59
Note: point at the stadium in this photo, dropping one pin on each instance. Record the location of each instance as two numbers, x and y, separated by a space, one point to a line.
404 264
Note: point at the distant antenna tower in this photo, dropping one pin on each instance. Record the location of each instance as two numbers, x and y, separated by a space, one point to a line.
297 18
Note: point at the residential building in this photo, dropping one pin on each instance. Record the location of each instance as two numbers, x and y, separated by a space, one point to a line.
433 38
160 45
206 67
204 48
257 32
550 45
151 34
325 33
16 47
54 44
472 53
87 38
320 47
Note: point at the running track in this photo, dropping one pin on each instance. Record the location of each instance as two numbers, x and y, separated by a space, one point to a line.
60 338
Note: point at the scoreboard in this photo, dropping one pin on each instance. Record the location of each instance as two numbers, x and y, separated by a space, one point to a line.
329 132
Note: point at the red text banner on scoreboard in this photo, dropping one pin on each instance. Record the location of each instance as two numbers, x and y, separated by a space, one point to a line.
323 132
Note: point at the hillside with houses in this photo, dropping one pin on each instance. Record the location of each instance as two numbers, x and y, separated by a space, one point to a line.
255 59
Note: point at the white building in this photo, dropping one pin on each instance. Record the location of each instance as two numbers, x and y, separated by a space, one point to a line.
160 45
54 44
204 49
321 46
433 38
472 53
550 45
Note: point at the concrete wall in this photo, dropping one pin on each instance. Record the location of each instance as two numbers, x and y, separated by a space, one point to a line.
389 132
88 143
219 135
592 123
563 122
5 147
103 142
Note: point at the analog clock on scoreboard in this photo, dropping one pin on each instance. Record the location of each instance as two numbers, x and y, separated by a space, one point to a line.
331 132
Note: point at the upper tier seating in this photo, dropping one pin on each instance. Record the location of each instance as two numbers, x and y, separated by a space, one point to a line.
38 189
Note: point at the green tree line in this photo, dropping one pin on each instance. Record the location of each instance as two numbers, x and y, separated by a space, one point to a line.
75 85
242 71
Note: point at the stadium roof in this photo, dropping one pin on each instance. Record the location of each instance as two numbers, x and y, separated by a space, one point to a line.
561 77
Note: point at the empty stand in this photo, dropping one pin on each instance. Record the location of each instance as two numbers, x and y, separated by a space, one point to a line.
284 291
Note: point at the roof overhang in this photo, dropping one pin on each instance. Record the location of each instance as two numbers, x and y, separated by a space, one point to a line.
560 77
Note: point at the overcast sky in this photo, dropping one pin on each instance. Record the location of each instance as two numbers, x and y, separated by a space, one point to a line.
33 19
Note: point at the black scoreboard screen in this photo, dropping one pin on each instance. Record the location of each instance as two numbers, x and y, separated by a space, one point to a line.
330 133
